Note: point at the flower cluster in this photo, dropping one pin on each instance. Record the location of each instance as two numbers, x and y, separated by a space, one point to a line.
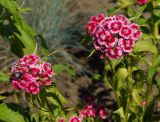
29 73
93 111
88 111
72 119
112 36
142 2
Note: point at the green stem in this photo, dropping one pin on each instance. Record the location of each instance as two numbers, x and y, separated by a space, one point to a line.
113 71
155 32
127 109
129 88
111 66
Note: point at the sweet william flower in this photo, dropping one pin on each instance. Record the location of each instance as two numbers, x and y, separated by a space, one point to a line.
30 73
102 112
142 2
126 45
61 120
32 87
114 36
88 111
126 32
74 119
21 84
35 71
115 26
15 85
29 59
46 67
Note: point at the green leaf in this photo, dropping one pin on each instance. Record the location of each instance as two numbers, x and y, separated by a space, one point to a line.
156 11
97 76
136 96
141 9
131 12
55 91
121 76
54 105
27 40
9 115
156 3
112 11
91 53
86 40
146 36
151 73
58 68
145 46
2 97
142 21
4 77
120 112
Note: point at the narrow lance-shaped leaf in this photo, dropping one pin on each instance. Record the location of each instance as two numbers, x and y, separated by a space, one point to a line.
9 115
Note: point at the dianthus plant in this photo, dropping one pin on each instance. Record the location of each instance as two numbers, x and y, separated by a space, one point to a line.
33 75
119 43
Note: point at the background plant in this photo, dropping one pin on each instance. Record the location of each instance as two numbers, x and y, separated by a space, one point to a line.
23 40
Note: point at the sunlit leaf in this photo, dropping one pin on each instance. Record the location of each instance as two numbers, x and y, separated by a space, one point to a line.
136 96
120 112
58 68
9 115
4 77
112 11
55 91
145 46
121 76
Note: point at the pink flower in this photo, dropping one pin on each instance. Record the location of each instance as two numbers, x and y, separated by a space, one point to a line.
45 80
143 103
89 98
29 73
61 120
126 45
46 67
91 28
15 85
142 2
35 71
88 111
112 41
29 59
122 19
136 32
74 119
27 77
102 112
97 18
21 84
110 35
32 87
96 45
126 32
83 113
102 34
115 26
114 53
